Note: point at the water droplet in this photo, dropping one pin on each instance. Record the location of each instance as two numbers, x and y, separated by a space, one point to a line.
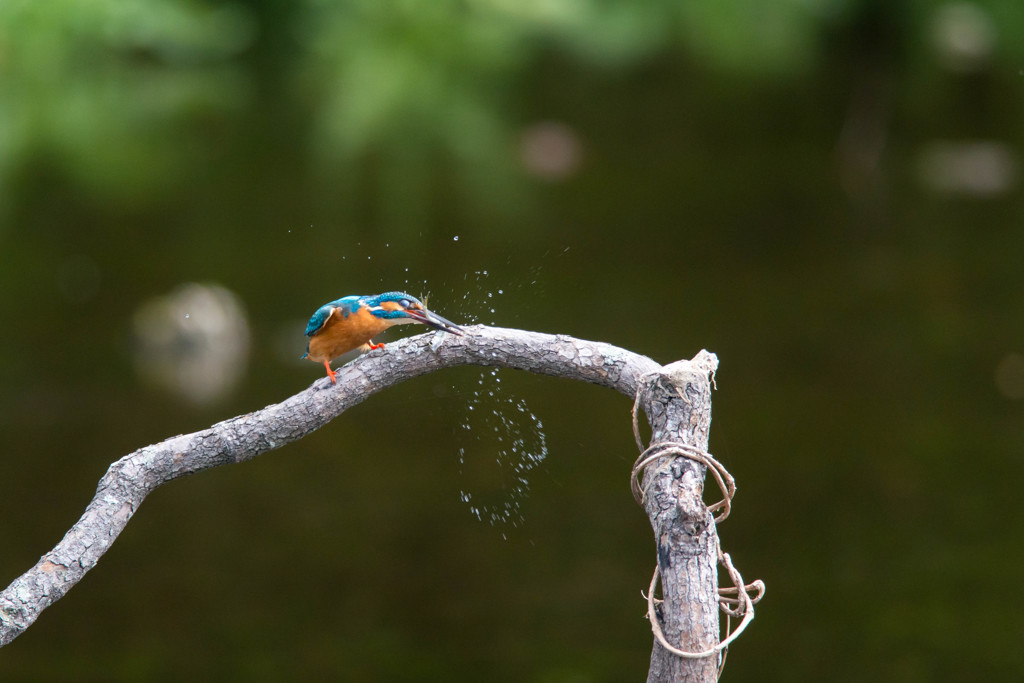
186 316
505 438
455 239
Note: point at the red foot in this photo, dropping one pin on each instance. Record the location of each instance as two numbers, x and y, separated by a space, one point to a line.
374 347
330 373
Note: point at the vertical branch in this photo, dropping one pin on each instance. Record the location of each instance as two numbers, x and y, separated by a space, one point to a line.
677 399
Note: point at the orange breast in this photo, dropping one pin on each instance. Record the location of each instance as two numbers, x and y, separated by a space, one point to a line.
340 335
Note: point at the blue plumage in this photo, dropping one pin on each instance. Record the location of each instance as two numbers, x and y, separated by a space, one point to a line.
350 304
347 304
399 297
352 321
318 319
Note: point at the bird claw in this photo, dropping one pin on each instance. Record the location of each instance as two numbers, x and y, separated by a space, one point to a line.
330 373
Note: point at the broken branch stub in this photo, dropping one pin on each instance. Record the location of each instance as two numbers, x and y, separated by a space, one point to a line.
677 399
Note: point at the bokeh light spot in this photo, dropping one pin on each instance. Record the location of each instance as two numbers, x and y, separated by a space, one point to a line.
194 342
551 151
1010 376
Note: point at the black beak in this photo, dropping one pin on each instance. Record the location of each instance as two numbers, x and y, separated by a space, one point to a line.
431 319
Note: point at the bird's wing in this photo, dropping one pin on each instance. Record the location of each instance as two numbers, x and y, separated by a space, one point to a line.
319 319
343 307
347 304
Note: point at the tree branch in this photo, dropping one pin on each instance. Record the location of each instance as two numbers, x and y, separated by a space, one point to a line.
677 399
129 480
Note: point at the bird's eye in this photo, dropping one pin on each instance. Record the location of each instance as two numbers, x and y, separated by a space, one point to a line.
405 303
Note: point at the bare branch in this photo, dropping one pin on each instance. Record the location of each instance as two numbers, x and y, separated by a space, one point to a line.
129 480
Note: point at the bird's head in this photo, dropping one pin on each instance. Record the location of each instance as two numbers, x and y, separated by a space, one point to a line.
399 308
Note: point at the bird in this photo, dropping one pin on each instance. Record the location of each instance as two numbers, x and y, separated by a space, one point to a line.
352 322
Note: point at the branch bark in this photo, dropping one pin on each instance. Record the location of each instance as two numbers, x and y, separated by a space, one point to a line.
676 399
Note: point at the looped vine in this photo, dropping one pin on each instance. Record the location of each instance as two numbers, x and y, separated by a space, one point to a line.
738 594
665 448
734 601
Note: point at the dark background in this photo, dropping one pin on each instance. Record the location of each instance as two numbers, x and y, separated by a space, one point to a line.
825 193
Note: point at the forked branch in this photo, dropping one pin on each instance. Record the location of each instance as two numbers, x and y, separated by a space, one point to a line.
129 480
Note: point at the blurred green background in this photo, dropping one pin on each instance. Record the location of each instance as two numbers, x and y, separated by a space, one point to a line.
826 193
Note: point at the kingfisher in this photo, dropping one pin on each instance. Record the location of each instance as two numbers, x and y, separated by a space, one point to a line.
352 322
